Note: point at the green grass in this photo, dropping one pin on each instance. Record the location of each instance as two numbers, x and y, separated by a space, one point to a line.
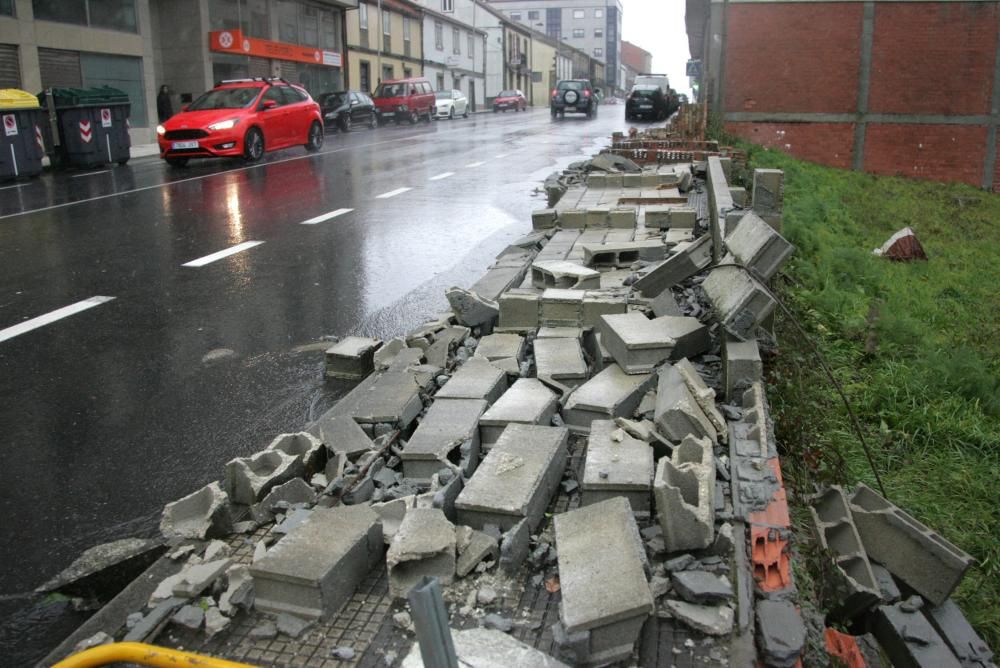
914 346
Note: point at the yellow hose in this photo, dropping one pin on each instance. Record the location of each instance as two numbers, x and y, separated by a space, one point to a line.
146 655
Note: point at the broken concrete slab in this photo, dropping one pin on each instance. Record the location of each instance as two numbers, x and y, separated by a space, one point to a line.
563 275
969 648
684 489
470 308
560 359
611 609
105 567
196 578
313 570
383 356
741 365
757 246
501 346
249 479
290 493
921 558
516 479
617 465
423 546
683 264
391 513
449 424
611 393
666 304
702 587
476 379
678 413
190 617
909 639
444 341
351 358
704 396
781 635
343 436
527 401
154 620
394 399
741 303
302 445
479 547
239 593
709 619
199 515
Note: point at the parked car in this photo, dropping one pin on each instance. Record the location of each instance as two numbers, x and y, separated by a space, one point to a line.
242 118
510 99
661 81
576 95
646 101
404 99
345 109
450 103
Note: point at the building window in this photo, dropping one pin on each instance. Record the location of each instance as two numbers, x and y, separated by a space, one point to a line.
598 32
579 14
328 33
440 79
363 16
598 52
288 21
438 36
366 76
579 32
386 30
515 16
447 5
532 16
309 26
6 7
387 73
111 14
598 13
472 45
456 42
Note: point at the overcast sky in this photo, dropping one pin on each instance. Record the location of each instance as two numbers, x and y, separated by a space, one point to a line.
658 27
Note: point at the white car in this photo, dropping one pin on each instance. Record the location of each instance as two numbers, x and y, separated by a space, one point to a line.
450 103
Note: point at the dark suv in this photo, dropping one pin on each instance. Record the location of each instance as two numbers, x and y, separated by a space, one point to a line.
575 95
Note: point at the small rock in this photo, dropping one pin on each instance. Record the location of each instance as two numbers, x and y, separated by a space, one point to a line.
498 623
180 553
217 549
343 653
215 621
570 486
264 631
291 625
679 563
659 586
189 616
710 620
132 620
244 527
99 638
403 621
701 587
486 595
731 413
912 604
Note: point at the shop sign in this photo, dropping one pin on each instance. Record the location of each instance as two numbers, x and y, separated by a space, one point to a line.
233 41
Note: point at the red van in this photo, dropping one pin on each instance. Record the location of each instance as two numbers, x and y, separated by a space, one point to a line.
404 99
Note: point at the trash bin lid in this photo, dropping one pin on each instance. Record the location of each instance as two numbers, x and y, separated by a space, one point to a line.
87 97
12 98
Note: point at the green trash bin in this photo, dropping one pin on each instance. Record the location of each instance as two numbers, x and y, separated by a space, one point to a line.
21 144
93 125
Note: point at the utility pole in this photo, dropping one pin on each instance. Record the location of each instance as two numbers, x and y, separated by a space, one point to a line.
380 38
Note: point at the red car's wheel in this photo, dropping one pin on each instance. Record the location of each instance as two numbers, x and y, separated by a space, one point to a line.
253 145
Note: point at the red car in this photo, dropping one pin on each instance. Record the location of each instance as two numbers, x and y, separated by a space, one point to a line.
510 99
405 99
242 118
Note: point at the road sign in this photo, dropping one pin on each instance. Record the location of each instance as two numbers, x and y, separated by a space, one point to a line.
9 125
105 118
86 132
694 68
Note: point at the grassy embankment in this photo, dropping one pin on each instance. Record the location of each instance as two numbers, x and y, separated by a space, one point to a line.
915 346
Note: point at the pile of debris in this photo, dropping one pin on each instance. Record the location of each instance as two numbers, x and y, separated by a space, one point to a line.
587 426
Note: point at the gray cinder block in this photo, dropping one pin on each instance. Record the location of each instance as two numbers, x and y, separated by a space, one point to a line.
617 465
561 308
921 558
852 582
476 379
739 301
741 365
684 489
393 399
611 393
248 479
598 303
519 309
302 445
342 436
561 359
597 216
603 580
622 253
501 346
637 343
543 219
768 191
704 396
448 425
678 413
563 275
954 628
199 515
758 246
516 479
351 358
444 341
528 401
683 264
313 570
665 216
423 546
622 218
573 218
909 639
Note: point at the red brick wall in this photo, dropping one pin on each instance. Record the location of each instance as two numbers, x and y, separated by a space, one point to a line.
939 152
793 57
933 58
826 143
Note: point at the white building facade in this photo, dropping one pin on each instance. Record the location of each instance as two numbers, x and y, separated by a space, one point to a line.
454 50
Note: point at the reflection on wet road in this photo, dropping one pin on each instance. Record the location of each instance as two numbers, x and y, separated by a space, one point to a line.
115 287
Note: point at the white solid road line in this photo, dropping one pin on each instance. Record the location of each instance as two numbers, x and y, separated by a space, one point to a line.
500 156
49 318
103 171
392 193
326 216
441 176
476 164
208 259
16 185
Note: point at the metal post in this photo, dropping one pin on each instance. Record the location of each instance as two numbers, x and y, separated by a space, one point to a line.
431 620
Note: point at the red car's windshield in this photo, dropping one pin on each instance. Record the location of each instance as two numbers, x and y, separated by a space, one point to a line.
225 98
507 93
392 90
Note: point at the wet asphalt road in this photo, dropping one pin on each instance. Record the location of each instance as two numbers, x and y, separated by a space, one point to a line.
113 411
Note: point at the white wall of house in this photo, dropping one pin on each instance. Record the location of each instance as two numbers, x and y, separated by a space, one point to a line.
454 51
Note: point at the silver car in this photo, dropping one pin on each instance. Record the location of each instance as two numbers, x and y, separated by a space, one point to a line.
450 103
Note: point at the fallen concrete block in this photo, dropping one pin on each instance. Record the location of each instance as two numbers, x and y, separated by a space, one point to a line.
781 635
921 558
563 275
704 396
684 489
852 585
741 365
519 310
302 445
190 617
595 180
666 304
663 216
470 308
756 245
561 308
608 609
527 401
740 302
739 195
394 399
674 238
702 587
617 465
479 547
597 216
887 587
622 218
516 479
573 218
678 413
383 356
543 219
391 514
314 569
342 436
199 515
711 620
768 191
597 304
637 343
105 567
444 341
351 358
683 264
195 579
970 649
561 360
909 639
476 379
449 424
496 347
622 253
632 180
611 393
423 546
295 491
248 479
239 594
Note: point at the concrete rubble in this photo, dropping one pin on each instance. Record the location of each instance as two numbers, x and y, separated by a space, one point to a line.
558 435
